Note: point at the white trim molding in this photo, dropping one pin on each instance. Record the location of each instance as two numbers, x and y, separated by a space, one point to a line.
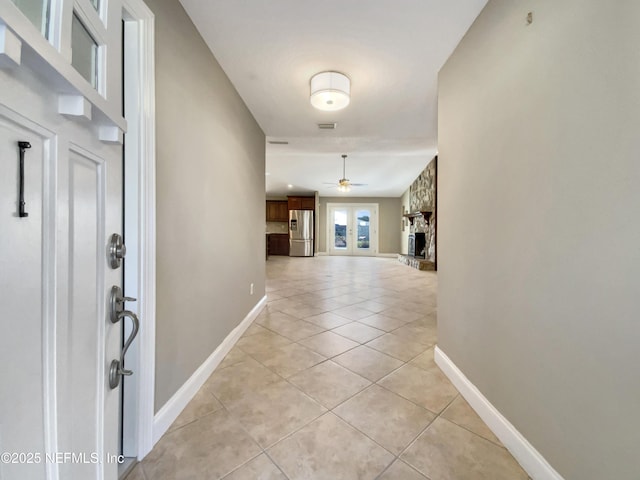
10 46
74 106
527 456
170 410
48 62
140 217
111 134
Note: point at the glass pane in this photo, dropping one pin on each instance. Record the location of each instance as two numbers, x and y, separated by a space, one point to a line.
96 4
363 220
37 11
84 52
340 230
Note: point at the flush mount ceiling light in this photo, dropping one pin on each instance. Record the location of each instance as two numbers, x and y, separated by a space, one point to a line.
330 91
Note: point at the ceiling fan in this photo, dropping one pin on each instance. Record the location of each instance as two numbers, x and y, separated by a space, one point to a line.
344 184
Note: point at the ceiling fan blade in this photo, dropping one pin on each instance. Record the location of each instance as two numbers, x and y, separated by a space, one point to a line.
344 183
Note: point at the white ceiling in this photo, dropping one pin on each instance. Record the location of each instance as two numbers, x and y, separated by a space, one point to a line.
391 51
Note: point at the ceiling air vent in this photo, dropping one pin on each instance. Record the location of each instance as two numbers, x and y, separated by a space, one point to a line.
327 126
278 142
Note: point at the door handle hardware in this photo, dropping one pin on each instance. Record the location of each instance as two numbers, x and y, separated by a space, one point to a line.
116 303
21 205
117 370
117 250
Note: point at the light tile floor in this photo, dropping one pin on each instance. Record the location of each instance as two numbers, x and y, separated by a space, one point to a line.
335 380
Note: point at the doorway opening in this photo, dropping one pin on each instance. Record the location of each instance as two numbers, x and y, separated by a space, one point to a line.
352 229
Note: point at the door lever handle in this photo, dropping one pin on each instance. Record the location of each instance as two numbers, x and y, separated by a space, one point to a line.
116 303
117 366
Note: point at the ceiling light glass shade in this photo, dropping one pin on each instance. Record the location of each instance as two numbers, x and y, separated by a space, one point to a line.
330 91
344 186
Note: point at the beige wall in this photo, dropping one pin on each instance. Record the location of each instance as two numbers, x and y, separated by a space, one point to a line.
539 238
211 202
388 221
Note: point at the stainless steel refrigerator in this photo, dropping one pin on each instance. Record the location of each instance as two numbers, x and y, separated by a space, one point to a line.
300 233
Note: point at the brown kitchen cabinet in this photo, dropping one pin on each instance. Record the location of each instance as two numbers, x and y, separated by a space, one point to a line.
295 203
308 203
302 203
278 244
277 211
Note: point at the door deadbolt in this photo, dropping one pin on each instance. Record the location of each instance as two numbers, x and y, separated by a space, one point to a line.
117 250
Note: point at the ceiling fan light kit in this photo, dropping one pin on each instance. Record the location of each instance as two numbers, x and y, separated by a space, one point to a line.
344 185
330 91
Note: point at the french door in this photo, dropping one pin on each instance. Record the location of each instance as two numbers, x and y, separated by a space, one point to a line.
352 229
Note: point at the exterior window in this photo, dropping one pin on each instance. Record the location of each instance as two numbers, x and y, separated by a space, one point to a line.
364 226
340 232
84 52
37 11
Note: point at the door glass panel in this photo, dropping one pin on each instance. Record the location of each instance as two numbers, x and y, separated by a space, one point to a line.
363 222
340 229
37 11
84 52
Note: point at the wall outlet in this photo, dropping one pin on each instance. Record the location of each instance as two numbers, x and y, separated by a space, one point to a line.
251 289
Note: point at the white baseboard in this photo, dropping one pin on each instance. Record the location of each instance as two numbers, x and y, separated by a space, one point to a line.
388 255
527 456
170 410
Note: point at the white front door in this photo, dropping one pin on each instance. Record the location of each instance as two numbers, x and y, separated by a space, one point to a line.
58 414
352 229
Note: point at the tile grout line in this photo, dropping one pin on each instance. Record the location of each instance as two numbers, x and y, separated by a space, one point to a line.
353 348
328 410
370 383
412 442
264 450
240 424
277 466
438 416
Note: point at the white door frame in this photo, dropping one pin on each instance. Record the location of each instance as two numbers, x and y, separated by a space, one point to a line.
373 247
140 226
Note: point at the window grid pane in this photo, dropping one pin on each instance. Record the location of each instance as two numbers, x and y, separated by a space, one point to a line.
340 229
37 11
363 218
84 52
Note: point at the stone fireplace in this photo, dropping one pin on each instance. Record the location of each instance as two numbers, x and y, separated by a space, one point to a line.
422 216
